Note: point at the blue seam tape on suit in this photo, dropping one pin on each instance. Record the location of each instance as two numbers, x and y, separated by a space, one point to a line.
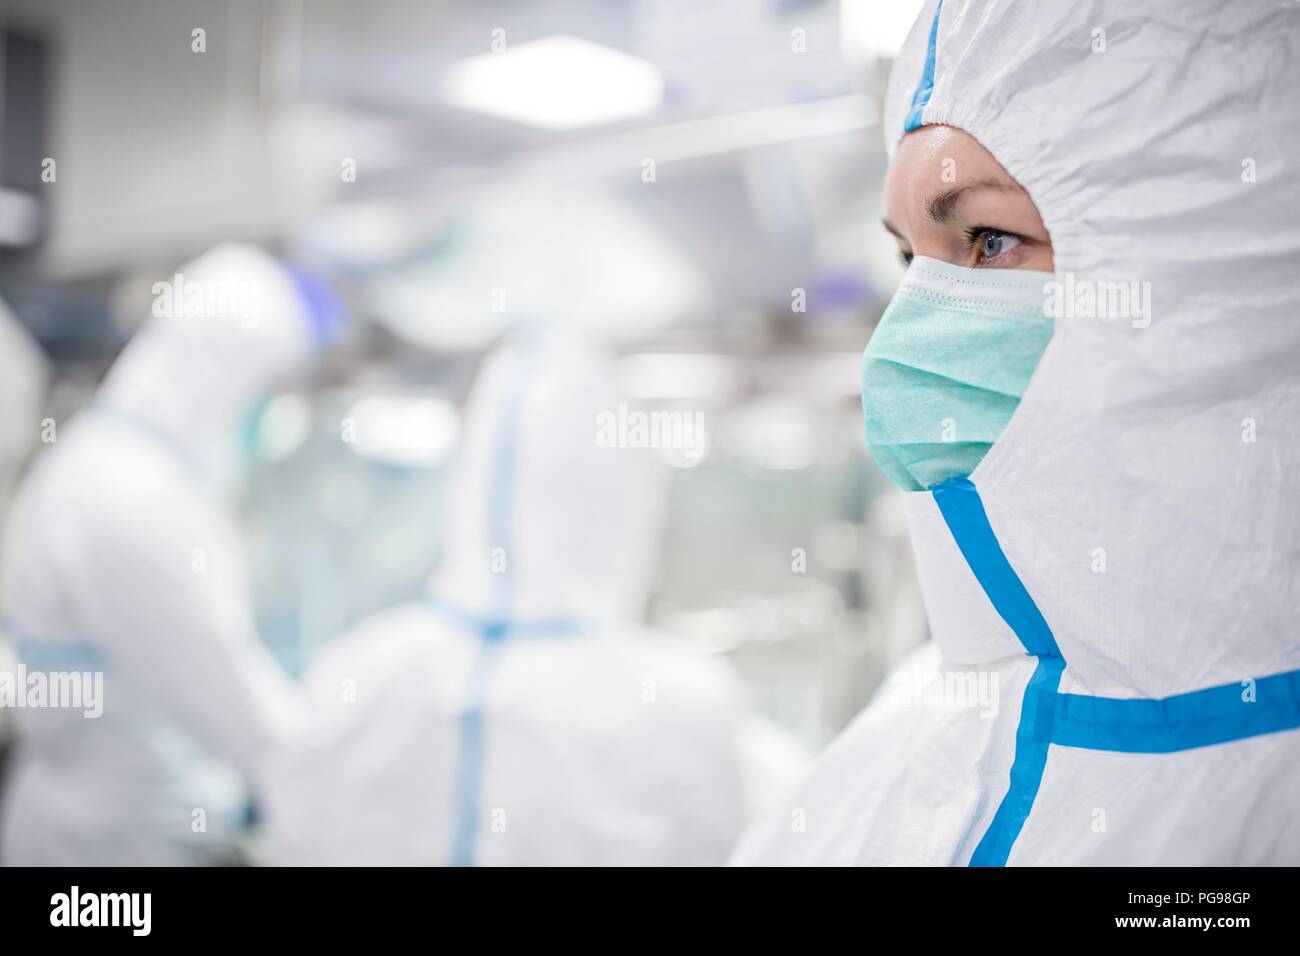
483 625
1201 718
964 513
921 98
469 771
492 630
962 510
146 429
1027 767
490 633
56 656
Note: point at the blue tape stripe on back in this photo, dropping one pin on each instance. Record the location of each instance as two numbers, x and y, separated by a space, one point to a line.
501 486
921 98
469 769
1201 718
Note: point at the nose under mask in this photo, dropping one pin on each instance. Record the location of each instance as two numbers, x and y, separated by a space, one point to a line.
947 366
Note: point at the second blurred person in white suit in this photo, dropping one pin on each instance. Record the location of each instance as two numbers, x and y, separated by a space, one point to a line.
517 715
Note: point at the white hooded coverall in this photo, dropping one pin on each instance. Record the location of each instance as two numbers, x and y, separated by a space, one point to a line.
1123 561
123 560
515 716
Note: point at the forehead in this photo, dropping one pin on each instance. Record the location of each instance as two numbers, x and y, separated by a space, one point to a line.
935 158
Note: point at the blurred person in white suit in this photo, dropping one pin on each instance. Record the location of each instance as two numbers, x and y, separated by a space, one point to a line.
24 376
518 715
123 560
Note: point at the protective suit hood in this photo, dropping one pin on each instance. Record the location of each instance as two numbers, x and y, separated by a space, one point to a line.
1139 489
222 337
542 522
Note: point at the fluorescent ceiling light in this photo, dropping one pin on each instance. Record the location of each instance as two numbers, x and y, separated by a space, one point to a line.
557 82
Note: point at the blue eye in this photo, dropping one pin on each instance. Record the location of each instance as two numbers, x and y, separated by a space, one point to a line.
992 243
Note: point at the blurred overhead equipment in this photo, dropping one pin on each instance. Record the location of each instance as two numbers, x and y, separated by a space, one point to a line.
580 260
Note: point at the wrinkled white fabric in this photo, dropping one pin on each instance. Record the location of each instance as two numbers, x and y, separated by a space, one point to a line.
1144 492
122 555
601 745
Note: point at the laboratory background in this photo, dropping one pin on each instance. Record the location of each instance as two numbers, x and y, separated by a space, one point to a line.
694 185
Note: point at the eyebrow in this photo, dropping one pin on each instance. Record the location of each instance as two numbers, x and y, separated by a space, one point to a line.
940 206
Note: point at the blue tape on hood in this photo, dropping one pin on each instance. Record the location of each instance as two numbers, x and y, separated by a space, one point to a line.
921 98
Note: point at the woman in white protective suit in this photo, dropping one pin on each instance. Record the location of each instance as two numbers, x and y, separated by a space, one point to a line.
516 716
1088 385
123 561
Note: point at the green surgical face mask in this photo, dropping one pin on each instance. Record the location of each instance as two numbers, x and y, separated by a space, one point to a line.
947 365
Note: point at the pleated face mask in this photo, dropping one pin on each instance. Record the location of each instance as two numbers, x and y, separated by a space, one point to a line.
947 365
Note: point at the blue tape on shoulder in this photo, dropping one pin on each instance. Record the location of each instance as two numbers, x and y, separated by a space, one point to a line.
491 627
1201 718
921 98
60 656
